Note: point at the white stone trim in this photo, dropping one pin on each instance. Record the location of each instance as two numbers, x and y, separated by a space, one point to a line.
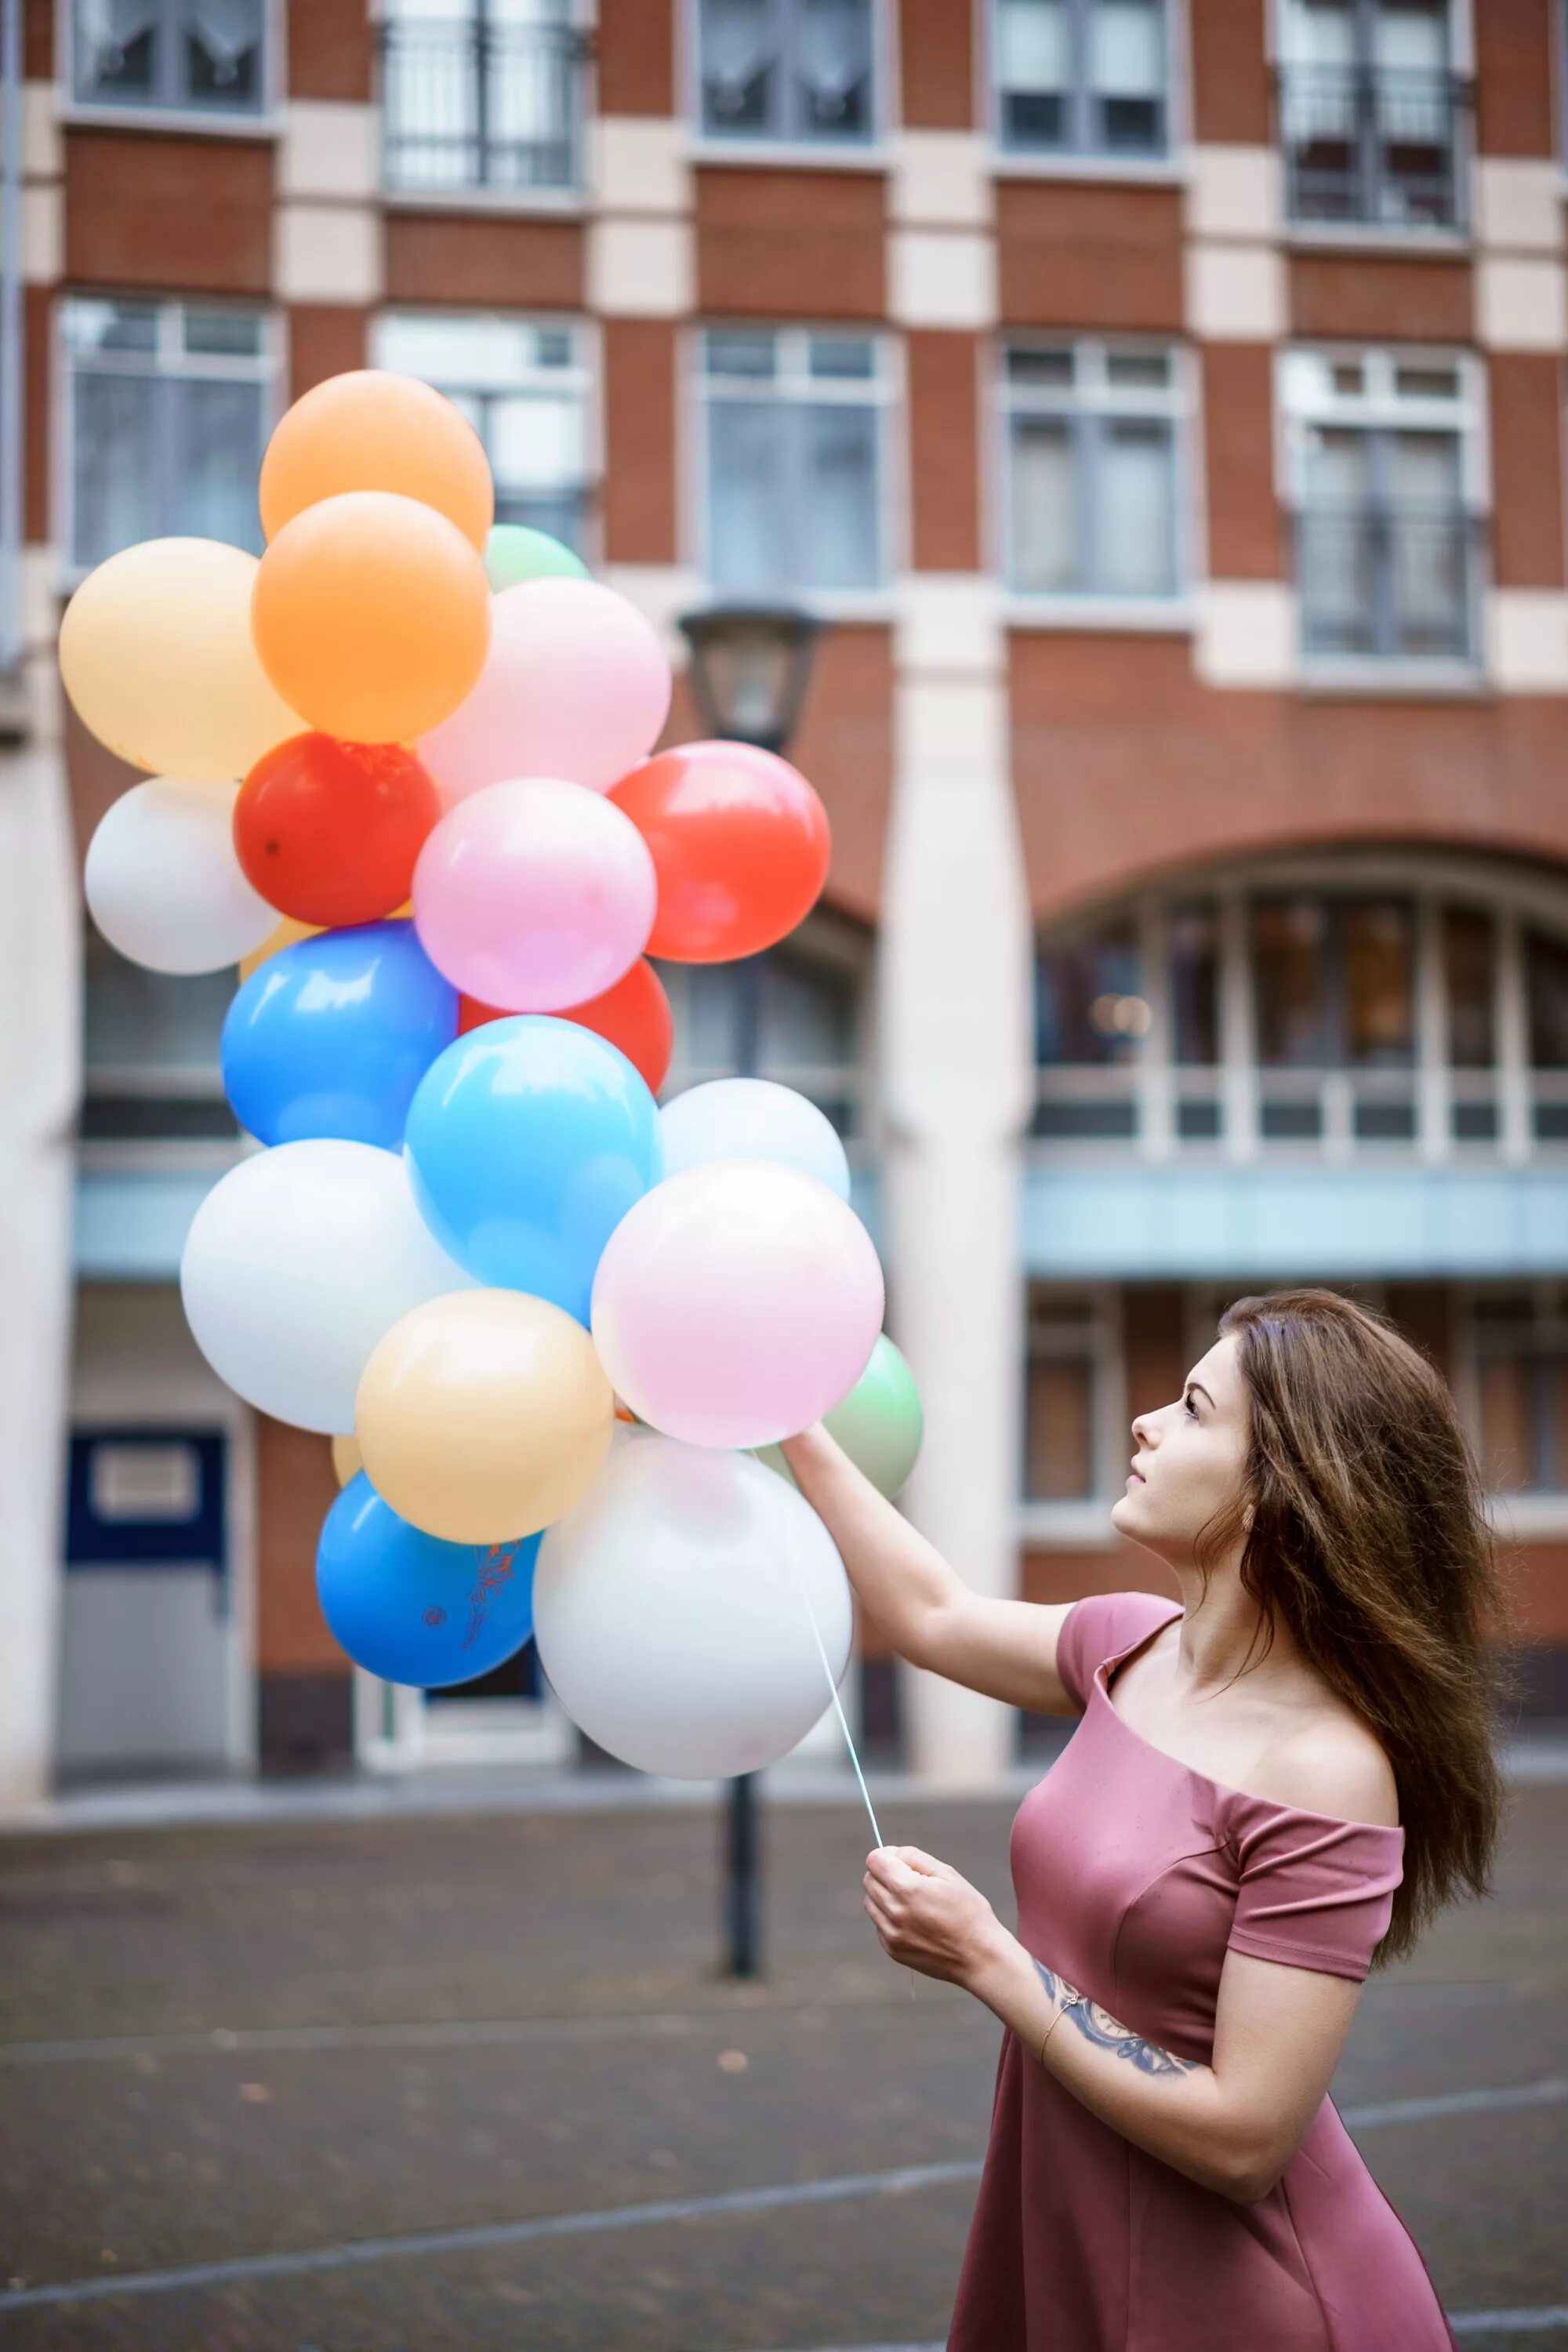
1521 303
1519 204
42 142
1235 293
941 277
941 179
1233 191
1526 637
43 233
328 253
329 150
949 623
1247 633
640 163
641 268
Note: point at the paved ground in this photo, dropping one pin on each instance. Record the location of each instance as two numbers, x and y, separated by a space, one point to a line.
445 2083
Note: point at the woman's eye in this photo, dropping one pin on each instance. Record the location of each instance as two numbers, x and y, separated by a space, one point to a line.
1190 1407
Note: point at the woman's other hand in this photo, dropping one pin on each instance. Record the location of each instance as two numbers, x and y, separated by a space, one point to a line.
928 1917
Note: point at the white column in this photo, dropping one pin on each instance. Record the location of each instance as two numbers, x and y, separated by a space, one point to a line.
957 1077
40 961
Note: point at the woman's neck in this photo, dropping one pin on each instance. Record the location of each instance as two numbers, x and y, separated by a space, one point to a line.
1223 1637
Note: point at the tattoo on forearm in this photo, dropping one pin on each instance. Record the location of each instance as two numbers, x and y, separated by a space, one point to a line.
1098 2025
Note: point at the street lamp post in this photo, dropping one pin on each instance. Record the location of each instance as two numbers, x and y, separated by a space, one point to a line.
750 668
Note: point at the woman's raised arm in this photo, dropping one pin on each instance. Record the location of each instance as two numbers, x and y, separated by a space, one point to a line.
1007 1649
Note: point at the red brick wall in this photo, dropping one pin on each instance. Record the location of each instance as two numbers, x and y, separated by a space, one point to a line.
945 445
330 48
1088 256
1231 99
937 64
508 261
295 1489
37 330
805 245
635 53
1246 534
325 340
1525 394
181 214
1348 295
1516 76
639 391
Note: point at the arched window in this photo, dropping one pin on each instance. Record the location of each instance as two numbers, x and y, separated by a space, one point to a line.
795 1014
1371 1005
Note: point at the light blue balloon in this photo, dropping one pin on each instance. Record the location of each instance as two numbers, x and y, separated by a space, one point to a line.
330 1036
412 1609
527 1143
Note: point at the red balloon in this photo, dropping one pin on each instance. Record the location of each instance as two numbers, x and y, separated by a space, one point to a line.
634 1016
740 844
329 832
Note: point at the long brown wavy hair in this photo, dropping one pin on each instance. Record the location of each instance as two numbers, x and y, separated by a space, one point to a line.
1369 1538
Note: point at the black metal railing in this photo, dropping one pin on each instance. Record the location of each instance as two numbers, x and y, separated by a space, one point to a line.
481 104
1389 583
1380 149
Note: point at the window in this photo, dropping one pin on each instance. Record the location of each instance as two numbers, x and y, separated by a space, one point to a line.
1371 115
1083 77
206 56
168 406
1091 1013
1519 1367
787 69
1092 502
151 1052
794 463
794 1014
481 94
524 389
1070 1413
1385 477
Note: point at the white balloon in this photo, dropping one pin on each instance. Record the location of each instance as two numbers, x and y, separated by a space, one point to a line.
163 883
753 1119
297 1263
673 1610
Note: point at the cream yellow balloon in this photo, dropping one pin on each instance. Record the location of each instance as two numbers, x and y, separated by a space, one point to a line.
347 1459
483 1415
156 654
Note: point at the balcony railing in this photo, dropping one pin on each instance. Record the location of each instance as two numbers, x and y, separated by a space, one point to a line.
482 105
1388 584
1373 150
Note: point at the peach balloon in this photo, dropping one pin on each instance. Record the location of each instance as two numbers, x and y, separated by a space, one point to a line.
156 656
370 430
372 615
347 1459
483 1415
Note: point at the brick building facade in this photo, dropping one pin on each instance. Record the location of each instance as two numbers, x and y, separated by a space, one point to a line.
1162 401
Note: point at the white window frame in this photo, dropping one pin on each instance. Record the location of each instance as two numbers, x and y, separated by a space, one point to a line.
584 374
1091 393
1517 1517
265 121
571 198
1079 1522
168 357
1088 163
1381 407
1154 1082
883 391
869 154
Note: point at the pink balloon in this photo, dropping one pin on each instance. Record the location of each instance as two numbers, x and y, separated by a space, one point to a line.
736 1303
576 683
534 895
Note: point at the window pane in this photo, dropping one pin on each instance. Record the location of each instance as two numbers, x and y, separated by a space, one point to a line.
1089 1002
1375 943
747 488
223 334
743 355
1194 934
1469 956
150 1021
117 50
1054 368
220 443
534 445
833 68
703 1000
114 466
739 69
1045 499
223 52
1136 521
110 326
1138 371
1127 73
1546 981
807 1013
1061 1464
1035 71
843 357
838 508
1289 971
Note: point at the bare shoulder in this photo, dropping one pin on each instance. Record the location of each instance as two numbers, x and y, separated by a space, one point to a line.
1334 1764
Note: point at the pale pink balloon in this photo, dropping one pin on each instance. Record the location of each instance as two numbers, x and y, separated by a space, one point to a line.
576 683
736 1303
534 895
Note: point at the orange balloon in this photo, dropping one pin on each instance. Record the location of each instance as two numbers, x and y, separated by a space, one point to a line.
369 430
377 612
288 934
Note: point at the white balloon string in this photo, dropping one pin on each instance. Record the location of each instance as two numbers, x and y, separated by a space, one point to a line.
838 1710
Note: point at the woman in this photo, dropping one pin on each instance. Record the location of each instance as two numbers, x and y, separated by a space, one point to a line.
1276 1781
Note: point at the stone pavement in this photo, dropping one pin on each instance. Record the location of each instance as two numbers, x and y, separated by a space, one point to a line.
427 2081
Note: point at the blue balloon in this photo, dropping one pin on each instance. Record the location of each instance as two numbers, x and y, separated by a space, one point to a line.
412 1609
526 1142
331 1038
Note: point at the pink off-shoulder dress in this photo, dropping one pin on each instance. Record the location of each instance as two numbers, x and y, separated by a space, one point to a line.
1134 1874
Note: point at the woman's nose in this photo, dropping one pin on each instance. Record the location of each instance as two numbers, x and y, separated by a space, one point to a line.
1143 1429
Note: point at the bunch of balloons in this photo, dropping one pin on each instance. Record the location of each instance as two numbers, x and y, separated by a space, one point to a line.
403 774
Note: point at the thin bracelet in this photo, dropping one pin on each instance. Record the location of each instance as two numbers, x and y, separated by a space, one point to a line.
1056 2020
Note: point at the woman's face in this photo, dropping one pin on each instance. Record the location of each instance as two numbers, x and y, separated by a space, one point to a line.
1190 1458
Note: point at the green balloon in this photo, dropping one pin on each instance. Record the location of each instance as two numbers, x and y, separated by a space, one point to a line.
879 1424
514 552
